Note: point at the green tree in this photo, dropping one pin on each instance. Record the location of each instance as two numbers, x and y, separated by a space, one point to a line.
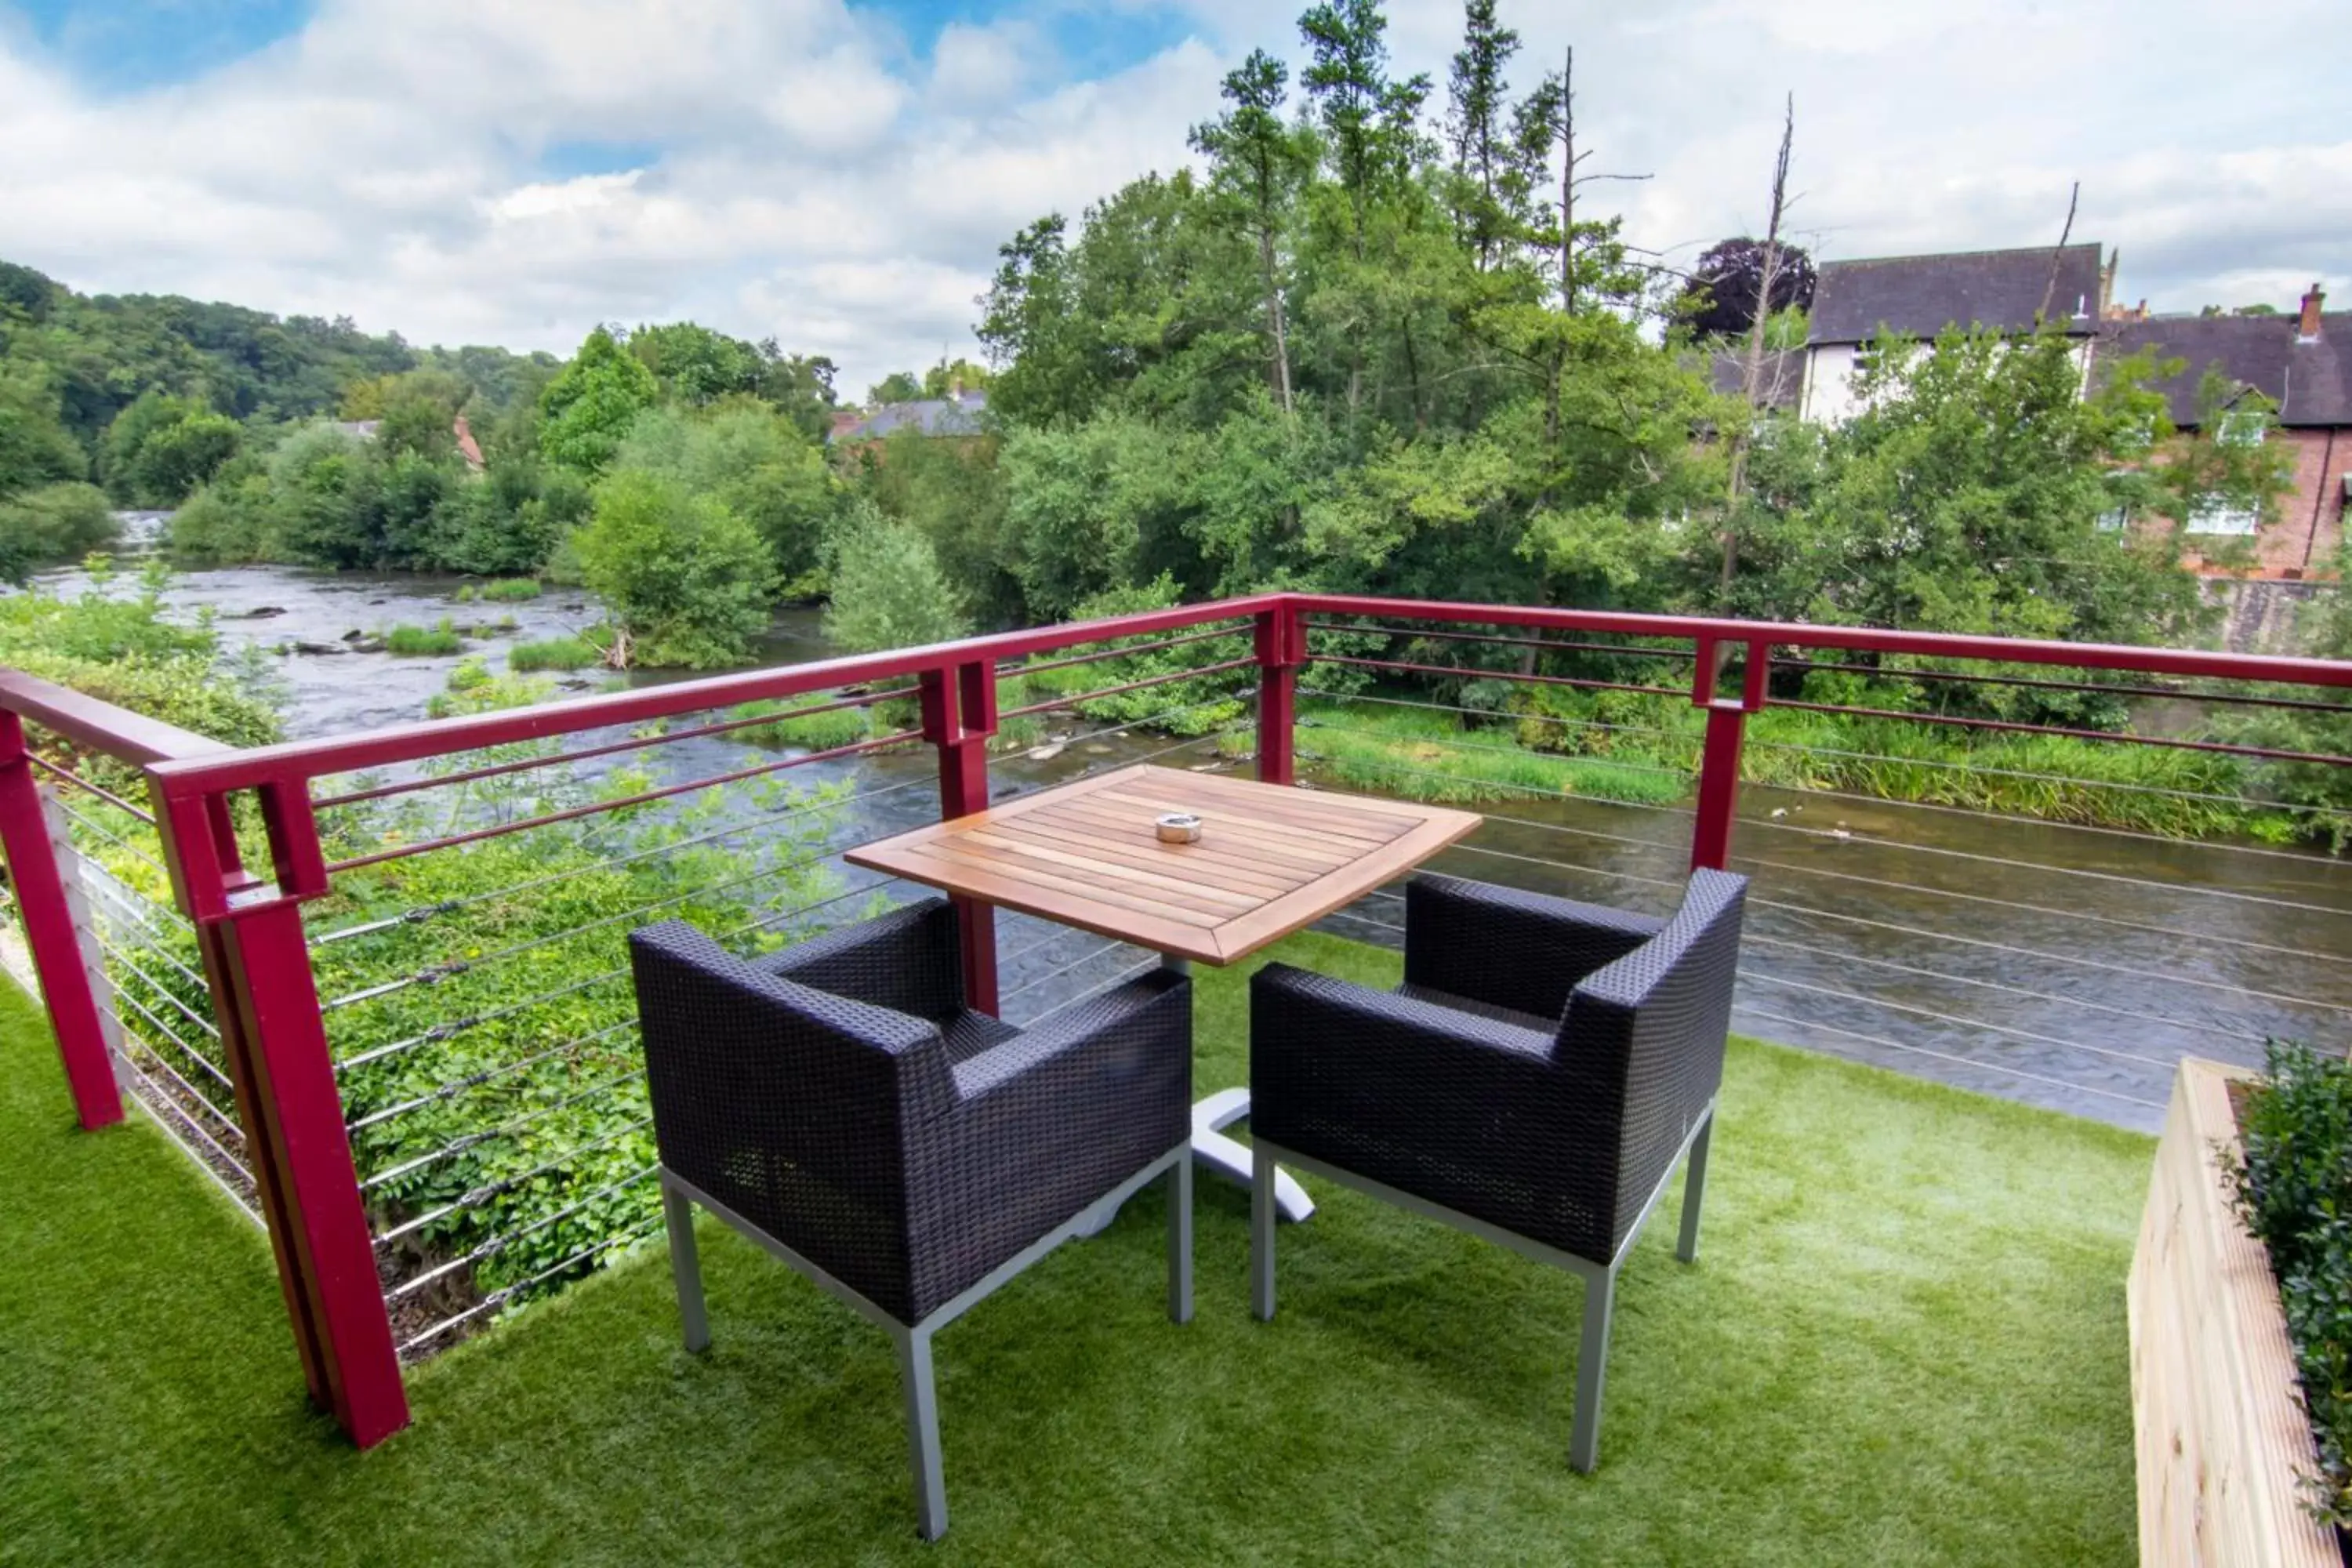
590 404
899 387
694 365
687 581
181 455
943 378
36 448
887 588
51 523
1258 163
754 461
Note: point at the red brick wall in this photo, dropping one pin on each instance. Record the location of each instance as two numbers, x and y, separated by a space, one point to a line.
2301 542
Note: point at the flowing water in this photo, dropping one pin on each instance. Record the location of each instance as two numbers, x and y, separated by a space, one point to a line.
2068 967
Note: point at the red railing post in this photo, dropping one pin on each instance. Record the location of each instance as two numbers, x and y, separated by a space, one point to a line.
1281 649
51 933
257 964
959 716
1718 771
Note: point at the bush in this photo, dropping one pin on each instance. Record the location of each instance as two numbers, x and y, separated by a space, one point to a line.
2294 1189
227 521
815 733
54 522
887 589
556 653
413 641
510 590
684 577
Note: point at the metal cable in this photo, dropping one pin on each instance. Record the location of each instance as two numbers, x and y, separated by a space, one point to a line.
499 1298
194 1054
2049 957
2060 1084
2248 942
226 1121
1568 866
471 1080
2046 778
117 840
1838 956
2166 1063
1531 789
159 989
464 1141
135 904
484 1193
1691 739
1113 983
148 1102
460 1026
1056 973
164 1097
450 906
2003 860
1542 759
498 1243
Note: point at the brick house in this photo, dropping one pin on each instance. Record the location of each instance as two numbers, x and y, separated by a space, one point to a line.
2303 364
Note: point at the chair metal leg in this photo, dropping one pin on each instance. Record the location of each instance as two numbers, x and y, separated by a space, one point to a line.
923 1431
1694 1193
1261 1219
686 1264
1180 1240
1591 1368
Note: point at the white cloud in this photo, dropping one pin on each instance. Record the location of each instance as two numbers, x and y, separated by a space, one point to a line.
818 181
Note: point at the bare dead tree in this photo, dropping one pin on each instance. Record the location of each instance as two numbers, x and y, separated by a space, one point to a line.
1569 180
2050 290
1752 372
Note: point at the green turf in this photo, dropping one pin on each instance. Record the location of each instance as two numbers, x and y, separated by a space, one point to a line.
1903 1342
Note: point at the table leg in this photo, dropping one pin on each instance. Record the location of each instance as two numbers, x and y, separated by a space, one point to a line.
1213 1150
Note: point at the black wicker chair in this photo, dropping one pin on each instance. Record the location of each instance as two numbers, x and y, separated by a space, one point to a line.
1533 1082
838 1104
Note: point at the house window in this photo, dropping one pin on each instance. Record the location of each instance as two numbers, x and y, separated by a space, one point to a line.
2112 521
2220 514
2244 428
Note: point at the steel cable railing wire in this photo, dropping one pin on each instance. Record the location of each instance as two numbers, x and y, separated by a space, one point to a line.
1548 759
193 1096
157 986
151 944
1691 739
2030 775
114 839
2064 1086
498 1244
501 1297
474 1197
147 1096
1758 976
633 1075
69 777
178 1107
455 1087
193 1055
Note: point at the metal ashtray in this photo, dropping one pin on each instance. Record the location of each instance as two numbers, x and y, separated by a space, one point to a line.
1179 828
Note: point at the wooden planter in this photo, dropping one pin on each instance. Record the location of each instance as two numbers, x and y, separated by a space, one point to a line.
2223 1442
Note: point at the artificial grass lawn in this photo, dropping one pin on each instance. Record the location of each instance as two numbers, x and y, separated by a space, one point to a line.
1904 1341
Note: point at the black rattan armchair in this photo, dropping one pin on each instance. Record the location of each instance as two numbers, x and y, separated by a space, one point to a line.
1534 1081
838 1104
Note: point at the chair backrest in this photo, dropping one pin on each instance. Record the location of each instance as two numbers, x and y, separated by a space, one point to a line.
1643 1036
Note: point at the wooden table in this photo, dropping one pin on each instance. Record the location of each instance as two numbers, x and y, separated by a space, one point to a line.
1269 861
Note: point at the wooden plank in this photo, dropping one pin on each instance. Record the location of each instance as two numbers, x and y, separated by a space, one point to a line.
1053 889
1223 834
1074 861
1238 874
2220 1430
1267 809
1243 935
1016 894
1264 825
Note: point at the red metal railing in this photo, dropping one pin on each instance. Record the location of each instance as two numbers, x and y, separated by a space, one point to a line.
356 1295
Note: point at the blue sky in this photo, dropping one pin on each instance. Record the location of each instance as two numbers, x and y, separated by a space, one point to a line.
838 174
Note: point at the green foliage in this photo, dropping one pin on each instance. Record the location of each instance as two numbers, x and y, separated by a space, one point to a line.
1193 706
590 404
899 387
953 493
54 522
414 641
2294 1189
887 588
160 449
793 729
510 590
691 581
743 454
35 448
553 653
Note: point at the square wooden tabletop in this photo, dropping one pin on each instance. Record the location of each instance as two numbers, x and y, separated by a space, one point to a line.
1270 860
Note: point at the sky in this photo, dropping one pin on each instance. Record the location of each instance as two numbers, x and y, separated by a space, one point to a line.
839 175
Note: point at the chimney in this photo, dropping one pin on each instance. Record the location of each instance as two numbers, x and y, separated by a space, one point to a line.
2307 328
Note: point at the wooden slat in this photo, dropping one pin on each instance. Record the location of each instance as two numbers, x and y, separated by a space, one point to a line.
1240 874
1270 860
2222 1440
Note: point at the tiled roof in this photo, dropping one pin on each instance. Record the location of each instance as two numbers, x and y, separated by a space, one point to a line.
1782 375
1919 296
932 417
2310 381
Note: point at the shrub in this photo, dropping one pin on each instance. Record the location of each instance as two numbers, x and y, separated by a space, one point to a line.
815 733
684 577
227 521
887 588
556 653
510 590
412 641
54 522
2294 1189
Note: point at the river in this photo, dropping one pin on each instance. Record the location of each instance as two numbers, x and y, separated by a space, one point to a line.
2066 967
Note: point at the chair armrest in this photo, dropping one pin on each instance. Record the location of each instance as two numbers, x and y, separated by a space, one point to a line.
909 959
1044 1125
1509 948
